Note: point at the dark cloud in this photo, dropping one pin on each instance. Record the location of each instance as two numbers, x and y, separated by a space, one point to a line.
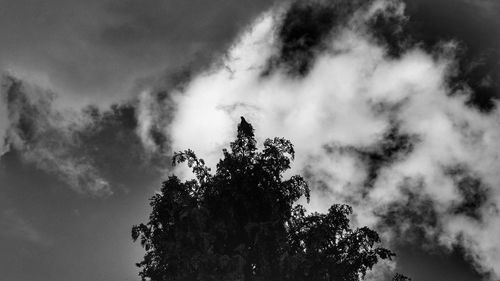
303 28
113 146
96 49
393 146
84 149
430 23
413 218
156 132
46 137
473 191
470 24
306 25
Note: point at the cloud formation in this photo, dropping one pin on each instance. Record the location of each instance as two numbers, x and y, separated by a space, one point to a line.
47 137
84 148
377 123
400 124
99 50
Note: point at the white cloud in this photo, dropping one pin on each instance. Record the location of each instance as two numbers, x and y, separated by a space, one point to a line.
352 97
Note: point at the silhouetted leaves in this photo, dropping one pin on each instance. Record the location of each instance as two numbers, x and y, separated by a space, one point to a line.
243 223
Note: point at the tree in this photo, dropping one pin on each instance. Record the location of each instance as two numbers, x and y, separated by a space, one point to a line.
243 223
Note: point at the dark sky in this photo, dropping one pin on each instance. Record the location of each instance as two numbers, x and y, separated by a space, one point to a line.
99 49
107 51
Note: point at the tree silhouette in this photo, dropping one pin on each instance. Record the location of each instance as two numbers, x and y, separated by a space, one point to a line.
243 223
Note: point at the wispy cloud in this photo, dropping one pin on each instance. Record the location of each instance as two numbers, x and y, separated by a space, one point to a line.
47 137
81 147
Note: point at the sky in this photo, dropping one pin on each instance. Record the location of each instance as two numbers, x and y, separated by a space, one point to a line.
392 107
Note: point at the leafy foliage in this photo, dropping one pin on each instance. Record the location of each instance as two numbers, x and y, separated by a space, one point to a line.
243 223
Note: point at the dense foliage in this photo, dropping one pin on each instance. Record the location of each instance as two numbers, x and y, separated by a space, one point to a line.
243 223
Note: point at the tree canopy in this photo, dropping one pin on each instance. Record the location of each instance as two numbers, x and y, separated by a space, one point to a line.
243 223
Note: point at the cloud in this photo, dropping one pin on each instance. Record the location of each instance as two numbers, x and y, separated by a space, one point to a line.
467 22
47 137
96 50
3 125
83 148
401 124
154 113
377 120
